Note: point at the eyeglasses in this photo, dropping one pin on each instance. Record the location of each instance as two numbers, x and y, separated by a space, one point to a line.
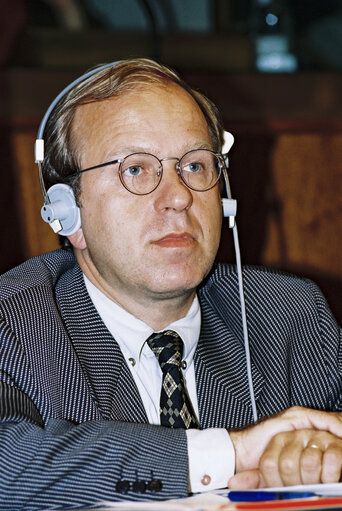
141 173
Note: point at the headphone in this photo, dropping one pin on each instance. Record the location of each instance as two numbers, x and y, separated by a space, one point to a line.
61 212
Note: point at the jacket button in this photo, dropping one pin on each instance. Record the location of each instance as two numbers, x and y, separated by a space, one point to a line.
139 486
122 486
155 485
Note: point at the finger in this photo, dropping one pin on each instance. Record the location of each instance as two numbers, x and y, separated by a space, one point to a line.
249 479
332 464
249 444
301 418
311 464
289 461
269 461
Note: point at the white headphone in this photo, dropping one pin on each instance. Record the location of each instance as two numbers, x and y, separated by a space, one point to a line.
62 213
60 210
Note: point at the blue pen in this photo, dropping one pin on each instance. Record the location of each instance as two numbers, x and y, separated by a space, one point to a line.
254 496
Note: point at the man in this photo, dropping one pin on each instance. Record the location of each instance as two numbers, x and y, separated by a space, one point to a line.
81 382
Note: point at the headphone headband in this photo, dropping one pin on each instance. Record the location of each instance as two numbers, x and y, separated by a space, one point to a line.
52 211
39 144
62 213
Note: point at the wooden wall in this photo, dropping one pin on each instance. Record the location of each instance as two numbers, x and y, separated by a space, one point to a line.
285 169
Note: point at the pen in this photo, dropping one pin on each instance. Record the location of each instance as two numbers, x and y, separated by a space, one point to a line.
253 496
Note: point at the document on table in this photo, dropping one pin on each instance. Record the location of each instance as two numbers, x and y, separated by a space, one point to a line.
321 490
200 502
215 501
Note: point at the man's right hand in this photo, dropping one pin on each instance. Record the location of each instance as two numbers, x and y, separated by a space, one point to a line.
250 443
304 456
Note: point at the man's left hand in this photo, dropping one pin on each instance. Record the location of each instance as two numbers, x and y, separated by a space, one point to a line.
303 456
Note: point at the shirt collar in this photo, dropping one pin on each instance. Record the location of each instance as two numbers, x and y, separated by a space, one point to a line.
131 333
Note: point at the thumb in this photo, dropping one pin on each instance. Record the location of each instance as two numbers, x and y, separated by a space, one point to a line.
248 479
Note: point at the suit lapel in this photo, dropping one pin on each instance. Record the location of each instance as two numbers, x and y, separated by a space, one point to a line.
109 379
220 362
222 385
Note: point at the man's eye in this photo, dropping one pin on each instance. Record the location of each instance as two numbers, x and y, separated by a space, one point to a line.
133 171
193 167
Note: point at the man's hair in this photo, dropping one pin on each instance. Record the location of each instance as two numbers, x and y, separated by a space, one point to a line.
61 162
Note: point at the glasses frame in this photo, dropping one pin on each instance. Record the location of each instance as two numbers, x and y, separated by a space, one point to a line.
219 156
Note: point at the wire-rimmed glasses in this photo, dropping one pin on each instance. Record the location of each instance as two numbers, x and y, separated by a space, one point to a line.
141 173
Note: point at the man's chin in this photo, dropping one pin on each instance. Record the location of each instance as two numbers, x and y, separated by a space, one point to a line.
176 285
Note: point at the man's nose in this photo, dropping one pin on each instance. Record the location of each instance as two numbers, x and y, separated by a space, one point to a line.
172 193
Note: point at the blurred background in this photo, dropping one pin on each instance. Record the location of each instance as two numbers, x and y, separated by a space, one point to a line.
274 69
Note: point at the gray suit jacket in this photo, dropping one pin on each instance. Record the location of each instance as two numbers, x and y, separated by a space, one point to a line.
73 425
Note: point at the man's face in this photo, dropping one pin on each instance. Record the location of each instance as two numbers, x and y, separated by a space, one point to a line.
150 247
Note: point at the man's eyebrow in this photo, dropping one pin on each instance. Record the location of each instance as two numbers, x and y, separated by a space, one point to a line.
198 143
203 145
125 151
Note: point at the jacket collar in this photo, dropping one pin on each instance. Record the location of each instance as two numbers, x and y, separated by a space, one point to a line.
220 365
220 359
109 379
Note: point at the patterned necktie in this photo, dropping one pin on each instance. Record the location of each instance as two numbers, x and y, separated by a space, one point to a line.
176 410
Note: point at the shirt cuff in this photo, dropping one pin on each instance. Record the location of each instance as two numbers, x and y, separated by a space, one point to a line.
211 459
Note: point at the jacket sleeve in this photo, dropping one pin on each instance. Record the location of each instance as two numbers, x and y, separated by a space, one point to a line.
331 335
58 464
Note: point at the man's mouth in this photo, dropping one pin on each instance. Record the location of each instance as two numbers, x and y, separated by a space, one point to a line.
183 239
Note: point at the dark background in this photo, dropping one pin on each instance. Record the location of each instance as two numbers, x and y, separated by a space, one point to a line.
285 166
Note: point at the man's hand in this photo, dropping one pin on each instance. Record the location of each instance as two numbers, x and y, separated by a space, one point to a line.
297 457
280 448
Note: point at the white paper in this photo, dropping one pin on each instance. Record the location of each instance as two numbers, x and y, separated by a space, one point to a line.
332 489
209 501
199 502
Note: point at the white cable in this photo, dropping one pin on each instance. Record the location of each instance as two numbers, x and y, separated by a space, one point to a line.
242 296
244 322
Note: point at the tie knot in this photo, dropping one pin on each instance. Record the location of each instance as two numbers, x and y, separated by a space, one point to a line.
167 347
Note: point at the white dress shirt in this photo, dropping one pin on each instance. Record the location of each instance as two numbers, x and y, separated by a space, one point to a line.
211 453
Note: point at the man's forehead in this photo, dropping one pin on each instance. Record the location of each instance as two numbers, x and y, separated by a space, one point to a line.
137 95
140 110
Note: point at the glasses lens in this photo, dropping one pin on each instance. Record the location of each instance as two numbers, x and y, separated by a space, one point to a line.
201 169
140 173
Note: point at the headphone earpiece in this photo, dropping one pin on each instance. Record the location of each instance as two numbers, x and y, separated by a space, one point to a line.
229 207
61 212
60 209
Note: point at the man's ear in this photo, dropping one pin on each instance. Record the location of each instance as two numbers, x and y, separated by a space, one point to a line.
78 240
